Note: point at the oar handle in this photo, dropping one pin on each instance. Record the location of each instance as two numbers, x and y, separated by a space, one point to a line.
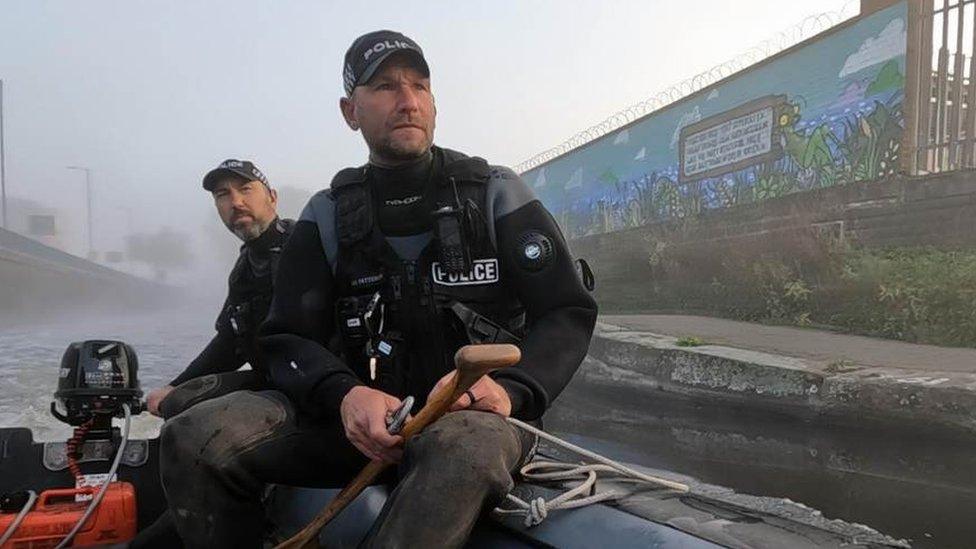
472 362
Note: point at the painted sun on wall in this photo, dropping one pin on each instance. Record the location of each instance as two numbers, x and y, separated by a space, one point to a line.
826 114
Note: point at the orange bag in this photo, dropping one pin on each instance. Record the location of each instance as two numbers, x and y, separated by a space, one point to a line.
56 513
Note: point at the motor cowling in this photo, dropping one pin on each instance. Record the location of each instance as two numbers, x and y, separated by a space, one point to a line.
95 379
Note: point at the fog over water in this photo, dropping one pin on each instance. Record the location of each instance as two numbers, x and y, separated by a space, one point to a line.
31 353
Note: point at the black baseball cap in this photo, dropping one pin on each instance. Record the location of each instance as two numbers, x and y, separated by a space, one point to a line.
235 168
368 52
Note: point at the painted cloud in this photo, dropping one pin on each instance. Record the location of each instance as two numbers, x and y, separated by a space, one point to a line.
890 43
576 180
541 180
622 138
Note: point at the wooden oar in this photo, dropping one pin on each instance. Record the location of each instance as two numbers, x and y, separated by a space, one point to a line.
472 361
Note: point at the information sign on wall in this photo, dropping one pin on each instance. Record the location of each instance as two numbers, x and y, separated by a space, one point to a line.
730 141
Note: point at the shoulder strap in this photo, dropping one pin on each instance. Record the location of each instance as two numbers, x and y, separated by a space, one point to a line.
354 215
287 226
348 176
463 168
463 187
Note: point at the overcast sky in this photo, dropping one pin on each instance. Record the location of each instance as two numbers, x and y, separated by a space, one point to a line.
152 94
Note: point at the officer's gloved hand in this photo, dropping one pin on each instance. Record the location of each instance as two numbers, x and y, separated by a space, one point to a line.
485 395
364 412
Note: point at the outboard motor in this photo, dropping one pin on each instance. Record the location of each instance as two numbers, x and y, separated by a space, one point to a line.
97 381
96 378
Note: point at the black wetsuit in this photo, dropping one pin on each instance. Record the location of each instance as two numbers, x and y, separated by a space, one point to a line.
250 288
560 314
219 455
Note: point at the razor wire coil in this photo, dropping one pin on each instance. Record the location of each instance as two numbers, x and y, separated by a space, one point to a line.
806 28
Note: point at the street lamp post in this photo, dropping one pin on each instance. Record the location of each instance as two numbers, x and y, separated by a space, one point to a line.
88 191
3 179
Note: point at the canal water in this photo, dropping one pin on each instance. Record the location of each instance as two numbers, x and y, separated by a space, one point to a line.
910 485
30 354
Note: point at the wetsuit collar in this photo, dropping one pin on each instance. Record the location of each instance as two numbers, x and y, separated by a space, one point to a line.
420 165
258 250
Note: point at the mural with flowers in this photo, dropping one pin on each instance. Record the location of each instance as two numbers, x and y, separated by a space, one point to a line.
837 120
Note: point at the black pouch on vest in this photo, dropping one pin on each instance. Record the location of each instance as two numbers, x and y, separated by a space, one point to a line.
455 258
350 317
239 318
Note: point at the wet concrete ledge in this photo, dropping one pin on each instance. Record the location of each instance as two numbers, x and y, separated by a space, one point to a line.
794 386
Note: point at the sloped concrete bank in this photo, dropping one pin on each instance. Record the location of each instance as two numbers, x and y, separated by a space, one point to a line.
789 385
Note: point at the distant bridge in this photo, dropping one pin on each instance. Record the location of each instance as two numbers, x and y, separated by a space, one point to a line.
33 275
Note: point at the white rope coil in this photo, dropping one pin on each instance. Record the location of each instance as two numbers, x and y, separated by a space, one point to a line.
537 510
581 495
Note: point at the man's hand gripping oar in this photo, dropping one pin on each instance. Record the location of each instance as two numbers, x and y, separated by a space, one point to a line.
473 362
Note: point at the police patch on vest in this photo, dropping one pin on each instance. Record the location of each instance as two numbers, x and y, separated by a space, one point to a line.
483 271
534 251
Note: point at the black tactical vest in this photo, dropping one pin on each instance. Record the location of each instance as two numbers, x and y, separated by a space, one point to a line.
250 291
409 316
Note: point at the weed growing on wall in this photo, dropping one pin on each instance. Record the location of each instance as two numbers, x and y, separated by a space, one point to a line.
915 294
802 278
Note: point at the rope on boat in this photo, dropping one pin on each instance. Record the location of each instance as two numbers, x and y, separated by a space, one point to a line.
536 510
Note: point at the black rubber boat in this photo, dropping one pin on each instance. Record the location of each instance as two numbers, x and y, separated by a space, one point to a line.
98 382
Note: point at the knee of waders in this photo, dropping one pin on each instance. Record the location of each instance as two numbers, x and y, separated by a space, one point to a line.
468 447
215 432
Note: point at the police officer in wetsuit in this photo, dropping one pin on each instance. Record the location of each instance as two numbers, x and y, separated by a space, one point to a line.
402 261
247 205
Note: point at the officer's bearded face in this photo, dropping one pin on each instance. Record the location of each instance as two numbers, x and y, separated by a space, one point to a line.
247 208
394 111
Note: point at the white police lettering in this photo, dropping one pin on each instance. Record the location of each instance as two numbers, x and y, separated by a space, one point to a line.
233 164
484 271
384 45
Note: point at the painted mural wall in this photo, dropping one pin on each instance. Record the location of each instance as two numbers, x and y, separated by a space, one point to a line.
826 114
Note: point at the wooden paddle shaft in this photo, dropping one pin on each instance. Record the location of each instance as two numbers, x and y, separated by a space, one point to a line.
473 362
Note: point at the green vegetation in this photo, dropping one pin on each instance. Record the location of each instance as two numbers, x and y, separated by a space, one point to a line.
689 341
841 367
915 294
889 78
918 294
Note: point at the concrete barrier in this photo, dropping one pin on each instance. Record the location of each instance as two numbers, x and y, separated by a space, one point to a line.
783 384
36 278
